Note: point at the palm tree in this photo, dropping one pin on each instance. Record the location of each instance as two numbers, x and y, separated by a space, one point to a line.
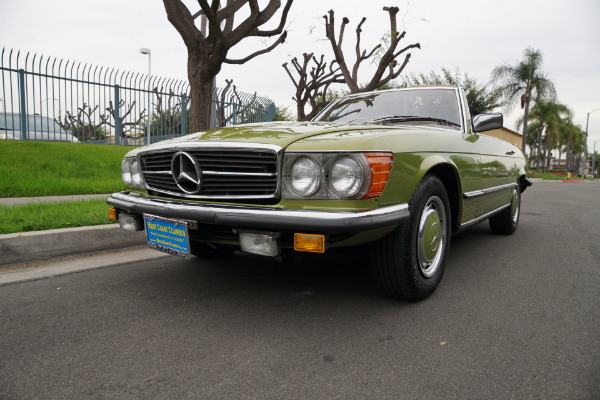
533 130
549 115
577 149
564 133
522 82
571 136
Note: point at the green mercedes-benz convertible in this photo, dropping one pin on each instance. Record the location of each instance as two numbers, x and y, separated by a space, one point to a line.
400 170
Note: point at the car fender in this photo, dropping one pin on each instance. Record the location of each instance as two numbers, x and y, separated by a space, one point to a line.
409 170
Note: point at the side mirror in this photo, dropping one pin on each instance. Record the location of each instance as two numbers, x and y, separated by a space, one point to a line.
487 122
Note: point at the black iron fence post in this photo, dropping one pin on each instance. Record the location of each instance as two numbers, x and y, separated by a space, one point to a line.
184 130
22 102
117 117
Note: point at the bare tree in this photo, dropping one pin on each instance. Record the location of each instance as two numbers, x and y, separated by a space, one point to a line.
220 106
207 52
125 126
83 125
312 86
312 83
388 67
166 119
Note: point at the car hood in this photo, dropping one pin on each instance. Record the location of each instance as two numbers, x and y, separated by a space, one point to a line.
272 133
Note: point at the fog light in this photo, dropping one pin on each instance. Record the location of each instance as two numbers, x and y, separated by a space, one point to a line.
310 243
260 243
130 222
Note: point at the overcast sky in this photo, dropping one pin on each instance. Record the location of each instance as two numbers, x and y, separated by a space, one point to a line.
472 35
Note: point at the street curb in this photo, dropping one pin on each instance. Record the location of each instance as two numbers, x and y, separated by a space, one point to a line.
70 265
14 201
24 247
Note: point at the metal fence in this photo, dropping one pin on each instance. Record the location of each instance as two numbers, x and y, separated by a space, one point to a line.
44 98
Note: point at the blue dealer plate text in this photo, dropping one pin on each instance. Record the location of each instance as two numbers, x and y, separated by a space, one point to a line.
170 236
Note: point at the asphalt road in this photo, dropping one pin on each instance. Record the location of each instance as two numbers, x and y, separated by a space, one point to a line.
515 317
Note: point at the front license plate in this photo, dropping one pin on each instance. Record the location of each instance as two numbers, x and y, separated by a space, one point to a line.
168 235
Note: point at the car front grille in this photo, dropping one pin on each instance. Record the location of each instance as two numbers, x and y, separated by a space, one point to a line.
229 173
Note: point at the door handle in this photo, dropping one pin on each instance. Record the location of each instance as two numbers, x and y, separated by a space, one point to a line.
510 153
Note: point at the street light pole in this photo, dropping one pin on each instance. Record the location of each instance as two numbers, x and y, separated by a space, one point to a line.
147 51
594 159
587 124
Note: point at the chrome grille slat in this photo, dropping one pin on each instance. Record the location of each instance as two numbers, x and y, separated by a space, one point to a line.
236 172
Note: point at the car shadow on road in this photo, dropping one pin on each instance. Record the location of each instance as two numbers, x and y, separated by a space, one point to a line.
338 276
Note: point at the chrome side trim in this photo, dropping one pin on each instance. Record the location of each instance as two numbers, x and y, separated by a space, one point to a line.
475 193
262 217
157 173
463 111
482 217
258 174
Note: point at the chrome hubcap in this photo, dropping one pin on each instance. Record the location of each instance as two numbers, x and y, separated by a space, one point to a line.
431 236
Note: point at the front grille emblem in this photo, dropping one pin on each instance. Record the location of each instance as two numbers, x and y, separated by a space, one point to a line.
186 172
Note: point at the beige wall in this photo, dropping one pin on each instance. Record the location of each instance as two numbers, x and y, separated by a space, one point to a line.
507 135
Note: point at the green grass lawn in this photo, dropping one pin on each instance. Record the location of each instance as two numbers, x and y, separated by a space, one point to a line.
30 168
43 216
549 176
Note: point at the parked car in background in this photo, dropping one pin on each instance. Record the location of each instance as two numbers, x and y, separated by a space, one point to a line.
37 128
399 170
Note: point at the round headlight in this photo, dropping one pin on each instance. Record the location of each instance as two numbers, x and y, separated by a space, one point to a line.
305 176
126 172
136 177
346 176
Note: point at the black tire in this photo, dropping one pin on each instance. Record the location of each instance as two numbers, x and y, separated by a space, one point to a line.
409 263
507 220
203 250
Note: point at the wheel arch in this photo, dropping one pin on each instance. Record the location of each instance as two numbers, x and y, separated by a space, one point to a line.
448 173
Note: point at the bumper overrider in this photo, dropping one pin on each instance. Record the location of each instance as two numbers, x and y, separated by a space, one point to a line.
269 218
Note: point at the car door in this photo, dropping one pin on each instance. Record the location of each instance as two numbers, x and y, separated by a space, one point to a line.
499 172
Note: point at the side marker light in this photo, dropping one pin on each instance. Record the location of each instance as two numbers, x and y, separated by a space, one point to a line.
309 243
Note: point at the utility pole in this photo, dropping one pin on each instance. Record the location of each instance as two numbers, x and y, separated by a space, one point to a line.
587 124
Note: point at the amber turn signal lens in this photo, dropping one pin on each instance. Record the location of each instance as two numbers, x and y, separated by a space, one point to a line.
381 167
112 214
310 243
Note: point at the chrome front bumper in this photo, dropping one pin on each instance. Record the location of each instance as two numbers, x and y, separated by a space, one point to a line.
262 217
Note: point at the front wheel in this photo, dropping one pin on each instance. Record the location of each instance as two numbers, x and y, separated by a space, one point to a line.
410 262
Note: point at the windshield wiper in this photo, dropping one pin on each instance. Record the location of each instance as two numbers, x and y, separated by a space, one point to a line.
402 118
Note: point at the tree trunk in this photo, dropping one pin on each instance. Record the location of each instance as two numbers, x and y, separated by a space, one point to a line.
200 104
201 90
568 156
531 152
525 118
539 152
548 152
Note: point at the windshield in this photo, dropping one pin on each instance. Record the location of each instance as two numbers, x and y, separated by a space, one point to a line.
424 105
